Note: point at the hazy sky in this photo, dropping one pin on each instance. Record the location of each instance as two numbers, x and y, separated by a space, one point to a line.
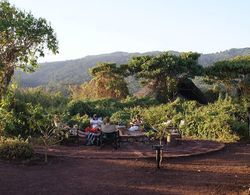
86 27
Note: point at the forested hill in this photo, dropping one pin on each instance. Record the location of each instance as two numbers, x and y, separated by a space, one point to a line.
76 71
209 59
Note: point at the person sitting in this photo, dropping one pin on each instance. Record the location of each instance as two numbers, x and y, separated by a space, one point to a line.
109 133
95 124
136 124
107 127
93 130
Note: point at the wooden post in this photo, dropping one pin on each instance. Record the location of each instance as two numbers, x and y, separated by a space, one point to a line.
158 154
248 120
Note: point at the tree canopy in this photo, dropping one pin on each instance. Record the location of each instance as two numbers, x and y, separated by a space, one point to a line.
163 72
107 82
234 72
235 68
23 39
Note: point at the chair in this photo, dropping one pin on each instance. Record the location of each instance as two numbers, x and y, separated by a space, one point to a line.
110 138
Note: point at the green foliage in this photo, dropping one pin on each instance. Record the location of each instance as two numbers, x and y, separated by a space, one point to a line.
230 69
108 82
81 121
223 120
27 115
161 73
23 39
122 117
79 107
132 101
35 96
20 108
232 73
107 107
15 149
101 107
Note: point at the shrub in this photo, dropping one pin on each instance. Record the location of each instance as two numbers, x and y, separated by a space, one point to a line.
154 115
102 107
81 121
121 117
132 101
15 149
37 96
107 107
224 120
19 108
80 107
125 116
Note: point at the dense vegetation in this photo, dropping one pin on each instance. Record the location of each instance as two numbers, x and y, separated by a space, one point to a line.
224 120
27 114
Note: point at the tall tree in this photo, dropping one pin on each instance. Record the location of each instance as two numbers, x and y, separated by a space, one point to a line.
232 73
23 39
163 72
107 82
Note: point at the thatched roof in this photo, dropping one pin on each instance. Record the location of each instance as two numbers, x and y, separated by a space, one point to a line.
190 91
186 89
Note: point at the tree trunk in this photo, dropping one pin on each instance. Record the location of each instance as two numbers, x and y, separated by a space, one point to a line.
5 79
248 120
46 154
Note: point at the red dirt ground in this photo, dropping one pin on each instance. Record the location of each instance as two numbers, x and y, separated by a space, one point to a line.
130 150
222 172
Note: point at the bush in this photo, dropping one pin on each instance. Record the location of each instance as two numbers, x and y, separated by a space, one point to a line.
15 149
80 107
107 107
145 102
125 116
224 120
39 96
121 117
20 108
81 121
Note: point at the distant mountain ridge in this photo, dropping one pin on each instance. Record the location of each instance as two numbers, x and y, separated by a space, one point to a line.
76 71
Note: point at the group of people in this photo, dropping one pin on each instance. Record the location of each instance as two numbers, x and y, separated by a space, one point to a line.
105 126
97 125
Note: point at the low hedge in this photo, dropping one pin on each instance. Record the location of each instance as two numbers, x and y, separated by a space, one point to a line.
15 149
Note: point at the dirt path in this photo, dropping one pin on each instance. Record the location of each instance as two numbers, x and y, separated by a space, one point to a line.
223 172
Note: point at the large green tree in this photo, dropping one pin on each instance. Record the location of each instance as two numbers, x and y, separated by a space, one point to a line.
162 73
233 73
107 82
23 39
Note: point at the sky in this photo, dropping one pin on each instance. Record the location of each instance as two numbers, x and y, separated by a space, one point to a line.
90 27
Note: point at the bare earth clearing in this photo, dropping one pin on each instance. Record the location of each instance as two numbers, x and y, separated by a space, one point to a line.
223 172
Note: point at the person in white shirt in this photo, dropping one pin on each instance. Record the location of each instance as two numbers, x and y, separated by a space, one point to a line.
95 122
136 124
107 127
93 130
